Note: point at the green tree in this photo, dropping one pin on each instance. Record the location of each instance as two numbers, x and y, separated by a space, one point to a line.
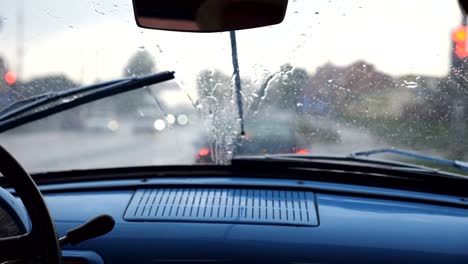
141 63
285 90
214 83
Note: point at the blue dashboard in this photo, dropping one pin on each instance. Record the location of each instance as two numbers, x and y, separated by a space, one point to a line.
234 220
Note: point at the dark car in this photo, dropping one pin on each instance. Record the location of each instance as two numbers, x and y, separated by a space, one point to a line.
263 136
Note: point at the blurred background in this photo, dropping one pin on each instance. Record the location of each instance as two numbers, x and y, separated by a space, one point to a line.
335 77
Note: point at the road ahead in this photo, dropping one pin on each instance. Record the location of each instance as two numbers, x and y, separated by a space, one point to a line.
59 150
47 151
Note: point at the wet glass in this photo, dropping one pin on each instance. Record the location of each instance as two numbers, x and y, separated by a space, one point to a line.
334 78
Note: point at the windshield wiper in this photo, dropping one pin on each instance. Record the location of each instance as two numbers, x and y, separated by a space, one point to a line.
453 163
47 104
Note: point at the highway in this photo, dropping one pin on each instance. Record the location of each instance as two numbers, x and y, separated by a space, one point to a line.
59 150
56 150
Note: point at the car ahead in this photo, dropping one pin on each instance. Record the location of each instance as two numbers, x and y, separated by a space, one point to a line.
262 137
260 82
101 124
148 120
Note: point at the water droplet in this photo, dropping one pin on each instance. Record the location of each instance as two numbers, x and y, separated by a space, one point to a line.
229 140
159 48
99 12
300 104
410 84
330 81
209 106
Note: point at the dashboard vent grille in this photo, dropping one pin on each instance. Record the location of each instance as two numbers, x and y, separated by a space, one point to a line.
252 206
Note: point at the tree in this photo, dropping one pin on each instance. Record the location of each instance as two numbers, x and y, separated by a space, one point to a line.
214 83
282 90
291 87
50 83
141 63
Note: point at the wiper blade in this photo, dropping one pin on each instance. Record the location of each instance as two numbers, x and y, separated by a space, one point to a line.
35 108
22 106
18 104
453 163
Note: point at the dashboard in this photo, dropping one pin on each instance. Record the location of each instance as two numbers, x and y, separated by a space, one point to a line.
248 220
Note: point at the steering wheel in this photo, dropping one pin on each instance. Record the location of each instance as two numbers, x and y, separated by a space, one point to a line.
42 241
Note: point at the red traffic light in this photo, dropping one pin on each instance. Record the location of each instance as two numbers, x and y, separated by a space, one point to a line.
461 51
10 77
460 37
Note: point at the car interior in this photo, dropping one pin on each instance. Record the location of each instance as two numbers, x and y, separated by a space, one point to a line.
291 206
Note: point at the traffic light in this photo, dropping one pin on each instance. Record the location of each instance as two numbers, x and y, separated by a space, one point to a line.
459 37
10 77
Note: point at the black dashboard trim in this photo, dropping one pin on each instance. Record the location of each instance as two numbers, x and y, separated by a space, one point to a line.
380 178
352 192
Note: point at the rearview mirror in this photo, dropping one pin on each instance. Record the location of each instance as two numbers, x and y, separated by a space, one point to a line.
208 15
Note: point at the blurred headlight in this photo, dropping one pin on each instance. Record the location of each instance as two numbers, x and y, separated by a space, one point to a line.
182 120
159 125
171 119
113 125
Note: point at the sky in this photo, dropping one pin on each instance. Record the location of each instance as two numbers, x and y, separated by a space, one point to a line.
92 40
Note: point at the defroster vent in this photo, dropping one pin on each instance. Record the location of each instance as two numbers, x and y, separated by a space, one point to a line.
249 206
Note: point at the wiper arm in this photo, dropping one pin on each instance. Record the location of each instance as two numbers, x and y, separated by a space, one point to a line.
454 163
16 105
35 108
22 106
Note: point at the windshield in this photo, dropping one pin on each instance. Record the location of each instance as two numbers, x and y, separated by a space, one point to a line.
334 78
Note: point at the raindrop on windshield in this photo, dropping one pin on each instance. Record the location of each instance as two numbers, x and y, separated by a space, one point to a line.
99 12
209 105
159 48
410 84
229 140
